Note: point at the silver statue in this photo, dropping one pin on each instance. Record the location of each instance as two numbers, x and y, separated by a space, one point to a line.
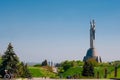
92 33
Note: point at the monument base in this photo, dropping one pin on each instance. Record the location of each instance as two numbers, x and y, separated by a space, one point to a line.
91 54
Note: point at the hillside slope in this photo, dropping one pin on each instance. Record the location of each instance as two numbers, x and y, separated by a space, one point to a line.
41 72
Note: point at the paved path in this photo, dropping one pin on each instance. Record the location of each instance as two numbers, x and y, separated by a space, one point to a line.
60 79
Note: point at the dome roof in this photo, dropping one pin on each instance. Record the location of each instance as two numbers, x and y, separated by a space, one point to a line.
91 52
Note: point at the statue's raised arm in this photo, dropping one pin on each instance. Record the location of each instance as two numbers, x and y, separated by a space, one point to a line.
93 30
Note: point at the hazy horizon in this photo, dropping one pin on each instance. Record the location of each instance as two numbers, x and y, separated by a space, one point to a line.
58 30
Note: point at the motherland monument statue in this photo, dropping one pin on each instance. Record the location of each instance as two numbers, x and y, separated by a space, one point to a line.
91 52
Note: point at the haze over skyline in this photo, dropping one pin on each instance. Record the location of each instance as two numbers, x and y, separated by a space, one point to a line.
58 30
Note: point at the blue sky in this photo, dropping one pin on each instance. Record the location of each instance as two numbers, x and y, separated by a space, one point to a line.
58 30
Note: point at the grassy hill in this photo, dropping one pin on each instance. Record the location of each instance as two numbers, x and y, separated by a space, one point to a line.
41 72
75 71
72 71
101 70
111 75
78 71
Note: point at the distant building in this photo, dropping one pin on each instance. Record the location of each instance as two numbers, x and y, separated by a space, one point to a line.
91 52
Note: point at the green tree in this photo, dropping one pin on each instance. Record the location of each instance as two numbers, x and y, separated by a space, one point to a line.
105 76
93 62
25 72
0 60
9 61
88 69
20 69
74 63
115 73
66 65
44 63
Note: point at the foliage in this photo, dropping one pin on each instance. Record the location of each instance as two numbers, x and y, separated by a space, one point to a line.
0 60
93 62
41 72
11 64
44 63
79 63
67 64
60 70
78 70
37 65
72 71
49 68
24 71
111 75
57 65
107 64
88 69
70 68
9 61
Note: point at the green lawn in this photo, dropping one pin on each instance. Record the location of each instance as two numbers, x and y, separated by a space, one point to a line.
41 72
111 75
72 71
101 71
78 70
